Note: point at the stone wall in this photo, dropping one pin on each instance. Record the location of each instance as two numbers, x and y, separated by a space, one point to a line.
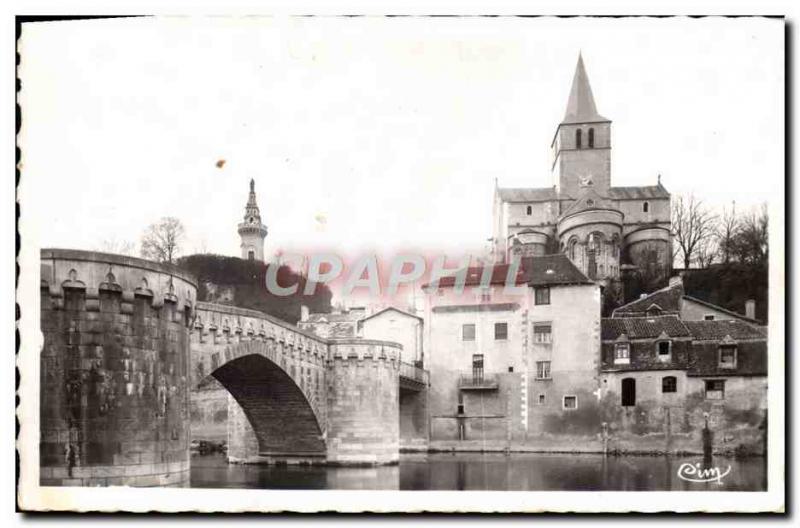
414 428
114 390
363 402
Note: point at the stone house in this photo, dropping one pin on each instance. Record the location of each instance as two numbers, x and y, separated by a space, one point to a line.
399 326
663 379
672 300
508 367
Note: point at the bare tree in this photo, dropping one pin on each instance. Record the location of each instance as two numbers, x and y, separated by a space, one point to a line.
119 247
706 252
692 225
727 229
162 241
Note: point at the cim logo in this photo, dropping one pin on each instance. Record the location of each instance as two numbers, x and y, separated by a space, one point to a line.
697 473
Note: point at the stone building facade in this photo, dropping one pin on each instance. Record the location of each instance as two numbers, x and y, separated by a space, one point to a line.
513 367
600 227
664 379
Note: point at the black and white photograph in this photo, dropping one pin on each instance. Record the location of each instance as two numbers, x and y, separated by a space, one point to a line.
401 264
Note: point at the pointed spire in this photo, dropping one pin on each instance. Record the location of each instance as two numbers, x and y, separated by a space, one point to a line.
580 105
251 209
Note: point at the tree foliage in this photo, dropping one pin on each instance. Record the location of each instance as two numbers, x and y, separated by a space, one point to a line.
248 280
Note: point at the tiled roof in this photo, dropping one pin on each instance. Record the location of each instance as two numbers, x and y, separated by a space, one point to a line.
547 194
720 309
652 327
668 299
590 199
716 330
642 327
474 274
751 359
638 193
552 269
392 308
523 194
334 317
545 270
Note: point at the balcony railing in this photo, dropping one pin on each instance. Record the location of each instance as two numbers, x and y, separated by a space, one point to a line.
478 381
414 372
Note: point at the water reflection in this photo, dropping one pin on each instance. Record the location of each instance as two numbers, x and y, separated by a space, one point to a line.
475 471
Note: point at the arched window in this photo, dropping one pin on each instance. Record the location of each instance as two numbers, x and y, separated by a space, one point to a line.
669 384
251 255
591 138
578 138
572 244
646 207
529 210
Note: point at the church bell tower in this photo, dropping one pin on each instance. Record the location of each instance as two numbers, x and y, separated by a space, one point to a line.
252 231
581 148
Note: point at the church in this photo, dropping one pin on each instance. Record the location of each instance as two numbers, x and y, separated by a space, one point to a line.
604 230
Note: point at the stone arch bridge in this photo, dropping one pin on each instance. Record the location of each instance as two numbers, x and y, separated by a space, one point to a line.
125 342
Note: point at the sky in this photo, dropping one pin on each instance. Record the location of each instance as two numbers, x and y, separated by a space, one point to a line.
375 134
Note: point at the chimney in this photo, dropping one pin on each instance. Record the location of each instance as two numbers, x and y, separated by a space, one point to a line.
303 313
750 308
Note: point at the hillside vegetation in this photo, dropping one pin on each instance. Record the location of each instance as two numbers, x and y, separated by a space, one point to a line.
247 280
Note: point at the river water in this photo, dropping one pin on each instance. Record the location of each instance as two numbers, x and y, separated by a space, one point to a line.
489 471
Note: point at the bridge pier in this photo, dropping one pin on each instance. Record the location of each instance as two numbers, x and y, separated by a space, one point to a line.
363 402
114 390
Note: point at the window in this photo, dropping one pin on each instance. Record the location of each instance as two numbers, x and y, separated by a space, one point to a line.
715 389
664 350
622 354
460 408
708 317
500 331
628 392
542 370
591 138
251 255
486 295
727 356
646 207
468 332
477 368
542 295
669 384
578 138
541 399
653 312
511 369
570 403
571 252
542 333
529 210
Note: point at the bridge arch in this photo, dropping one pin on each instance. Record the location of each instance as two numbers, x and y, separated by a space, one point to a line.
285 425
